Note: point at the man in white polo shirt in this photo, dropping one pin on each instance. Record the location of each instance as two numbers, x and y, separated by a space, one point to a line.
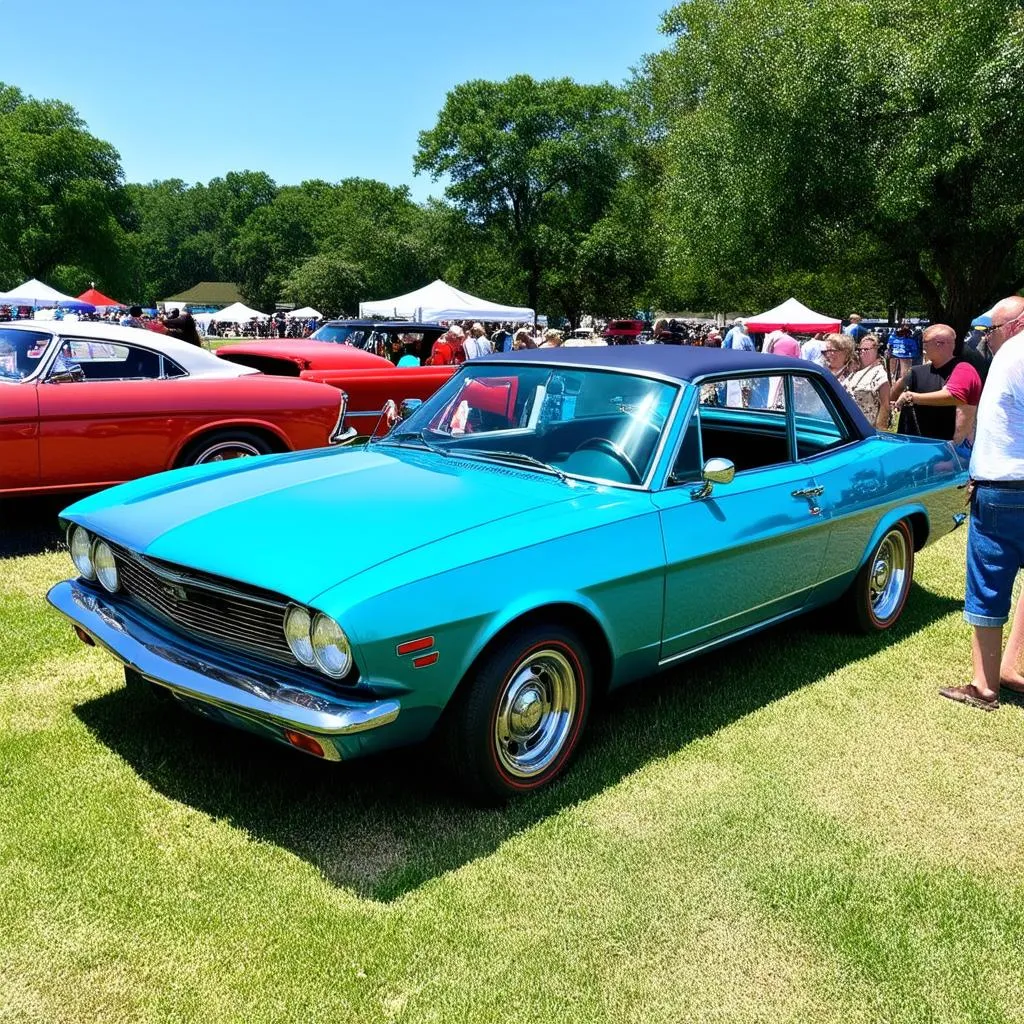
995 544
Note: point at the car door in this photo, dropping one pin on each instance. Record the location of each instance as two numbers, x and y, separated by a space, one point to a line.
113 424
747 551
851 478
19 435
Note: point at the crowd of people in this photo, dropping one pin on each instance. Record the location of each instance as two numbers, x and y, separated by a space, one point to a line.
465 340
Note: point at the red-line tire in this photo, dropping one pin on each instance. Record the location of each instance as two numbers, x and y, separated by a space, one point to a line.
878 594
514 725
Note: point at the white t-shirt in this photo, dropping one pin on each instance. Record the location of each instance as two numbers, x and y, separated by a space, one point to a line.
476 347
998 452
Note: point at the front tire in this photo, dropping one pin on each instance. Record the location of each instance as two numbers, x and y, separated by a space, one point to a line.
515 724
879 593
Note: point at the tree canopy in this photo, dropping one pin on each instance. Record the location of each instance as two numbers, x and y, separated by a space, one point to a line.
874 138
62 201
535 165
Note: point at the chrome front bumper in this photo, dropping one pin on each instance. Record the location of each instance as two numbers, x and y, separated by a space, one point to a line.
255 697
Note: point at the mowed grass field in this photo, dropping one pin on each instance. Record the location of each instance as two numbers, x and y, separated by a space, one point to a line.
795 829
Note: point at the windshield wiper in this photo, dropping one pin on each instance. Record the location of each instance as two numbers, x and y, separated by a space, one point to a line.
514 457
415 435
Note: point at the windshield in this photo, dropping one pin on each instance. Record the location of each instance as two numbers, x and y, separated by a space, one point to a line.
593 424
341 334
21 352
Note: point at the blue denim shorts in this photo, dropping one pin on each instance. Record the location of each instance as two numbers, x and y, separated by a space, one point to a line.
995 553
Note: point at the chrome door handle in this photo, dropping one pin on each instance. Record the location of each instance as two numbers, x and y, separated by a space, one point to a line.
809 492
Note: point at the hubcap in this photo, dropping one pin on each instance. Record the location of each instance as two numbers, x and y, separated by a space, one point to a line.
227 450
536 713
888 575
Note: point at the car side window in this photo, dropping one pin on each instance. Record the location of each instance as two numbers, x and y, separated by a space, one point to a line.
819 427
104 360
688 465
743 419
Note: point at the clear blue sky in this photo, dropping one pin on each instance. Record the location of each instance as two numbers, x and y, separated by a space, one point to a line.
300 88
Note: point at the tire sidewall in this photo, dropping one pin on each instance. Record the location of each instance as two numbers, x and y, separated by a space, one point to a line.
193 453
474 746
866 615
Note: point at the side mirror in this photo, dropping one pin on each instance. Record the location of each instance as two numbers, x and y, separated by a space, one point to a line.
408 407
716 471
70 374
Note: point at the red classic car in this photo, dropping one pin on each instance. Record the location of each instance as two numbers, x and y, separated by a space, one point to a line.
369 380
85 405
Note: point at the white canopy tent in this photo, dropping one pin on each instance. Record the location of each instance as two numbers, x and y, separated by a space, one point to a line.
236 313
41 296
440 301
304 313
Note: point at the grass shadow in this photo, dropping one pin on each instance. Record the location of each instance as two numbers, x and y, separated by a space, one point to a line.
28 526
384 826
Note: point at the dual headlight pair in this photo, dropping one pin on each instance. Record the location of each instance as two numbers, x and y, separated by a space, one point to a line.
94 559
317 641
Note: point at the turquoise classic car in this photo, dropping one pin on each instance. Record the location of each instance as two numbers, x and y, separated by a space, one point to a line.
548 526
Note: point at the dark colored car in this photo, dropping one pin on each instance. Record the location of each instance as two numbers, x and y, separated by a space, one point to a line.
378 336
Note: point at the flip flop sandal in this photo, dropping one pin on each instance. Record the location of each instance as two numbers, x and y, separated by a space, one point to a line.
970 696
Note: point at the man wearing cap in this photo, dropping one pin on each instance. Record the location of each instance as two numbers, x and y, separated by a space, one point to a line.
995 544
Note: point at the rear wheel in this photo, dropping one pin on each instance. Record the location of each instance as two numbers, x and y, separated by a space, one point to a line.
516 723
878 594
225 445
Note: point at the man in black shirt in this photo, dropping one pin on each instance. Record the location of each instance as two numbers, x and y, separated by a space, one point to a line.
183 327
938 398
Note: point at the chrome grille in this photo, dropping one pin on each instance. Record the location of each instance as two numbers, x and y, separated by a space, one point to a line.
225 612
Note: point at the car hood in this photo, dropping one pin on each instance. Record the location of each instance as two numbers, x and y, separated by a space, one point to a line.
301 523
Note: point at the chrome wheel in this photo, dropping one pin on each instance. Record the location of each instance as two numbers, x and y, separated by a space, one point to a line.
536 713
888 575
227 450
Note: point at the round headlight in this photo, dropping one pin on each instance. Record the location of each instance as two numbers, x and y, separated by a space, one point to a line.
105 566
330 646
81 552
296 631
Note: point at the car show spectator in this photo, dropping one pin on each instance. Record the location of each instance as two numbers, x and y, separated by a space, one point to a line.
408 347
839 355
182 326
477 343
869 385
552 339
738 337
904 351
939 398
133 318
995 541
501 339
813 350
855 329
523 339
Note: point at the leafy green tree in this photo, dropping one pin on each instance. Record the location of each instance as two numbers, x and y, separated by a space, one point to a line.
535 164
62 200
875 138
328 283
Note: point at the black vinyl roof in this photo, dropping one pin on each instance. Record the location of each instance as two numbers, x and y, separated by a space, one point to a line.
687 363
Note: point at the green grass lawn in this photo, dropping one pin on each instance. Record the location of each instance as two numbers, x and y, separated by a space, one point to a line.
795 829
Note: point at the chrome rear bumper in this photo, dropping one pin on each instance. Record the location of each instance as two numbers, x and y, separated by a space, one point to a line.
254 696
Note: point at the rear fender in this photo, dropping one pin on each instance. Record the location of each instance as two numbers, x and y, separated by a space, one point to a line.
915 512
